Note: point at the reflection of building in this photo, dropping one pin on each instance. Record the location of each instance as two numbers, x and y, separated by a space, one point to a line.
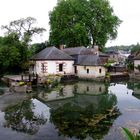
83 101
68 91
90 88
136 88
63 92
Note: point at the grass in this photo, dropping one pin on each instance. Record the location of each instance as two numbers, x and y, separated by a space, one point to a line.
129 135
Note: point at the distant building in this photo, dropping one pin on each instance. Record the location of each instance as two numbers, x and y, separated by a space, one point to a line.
113 55
136 61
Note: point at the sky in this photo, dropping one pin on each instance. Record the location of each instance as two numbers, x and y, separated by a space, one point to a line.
127 10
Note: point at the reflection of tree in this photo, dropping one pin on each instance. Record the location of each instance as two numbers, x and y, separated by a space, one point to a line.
72 120
20 117
136 85
130 85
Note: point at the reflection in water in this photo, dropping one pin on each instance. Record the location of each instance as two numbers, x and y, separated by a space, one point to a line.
3 88
81 119
82 110
90 88
21 117
61 92
136 90
86 111
69 91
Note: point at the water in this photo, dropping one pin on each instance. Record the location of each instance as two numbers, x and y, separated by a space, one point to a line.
82 110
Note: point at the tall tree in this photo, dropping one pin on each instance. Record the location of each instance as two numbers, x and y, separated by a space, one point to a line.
10 58
24 28
14 47
83 22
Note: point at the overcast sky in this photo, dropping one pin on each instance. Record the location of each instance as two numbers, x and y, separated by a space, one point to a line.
127 10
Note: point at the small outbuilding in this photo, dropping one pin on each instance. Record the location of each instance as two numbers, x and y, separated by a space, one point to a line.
90 66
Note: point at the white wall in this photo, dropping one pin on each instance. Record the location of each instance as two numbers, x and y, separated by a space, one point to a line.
93 71
67 92
136 63
90 88
52 67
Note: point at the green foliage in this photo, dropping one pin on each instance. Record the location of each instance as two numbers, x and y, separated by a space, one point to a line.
24 28
121 47
37 47
107 75
83 22
138 67
135 48
79 119
129 64
108 63
20 117
9 53
14 47
129 135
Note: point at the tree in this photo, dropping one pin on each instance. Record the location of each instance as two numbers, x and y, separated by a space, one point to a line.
14 47
135 48
24 28
9 54
22 118
37 47
89 120
83 22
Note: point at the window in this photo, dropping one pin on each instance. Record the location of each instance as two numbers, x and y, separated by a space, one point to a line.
75 69
60 67
100 70
87 70
87 89
44 67
100 89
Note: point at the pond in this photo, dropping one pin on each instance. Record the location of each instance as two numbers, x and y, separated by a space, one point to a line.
81 110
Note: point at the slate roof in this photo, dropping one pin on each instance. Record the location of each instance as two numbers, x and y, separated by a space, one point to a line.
109 52
77 51
90 60
83 51
103 54
51 53
136 55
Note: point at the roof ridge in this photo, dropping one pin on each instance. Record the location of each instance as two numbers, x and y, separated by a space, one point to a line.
50 51
82 49
64 53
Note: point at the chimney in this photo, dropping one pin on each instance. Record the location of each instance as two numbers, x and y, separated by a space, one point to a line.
61 46
96 49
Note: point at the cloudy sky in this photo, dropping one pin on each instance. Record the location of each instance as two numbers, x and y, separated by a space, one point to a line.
127 10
